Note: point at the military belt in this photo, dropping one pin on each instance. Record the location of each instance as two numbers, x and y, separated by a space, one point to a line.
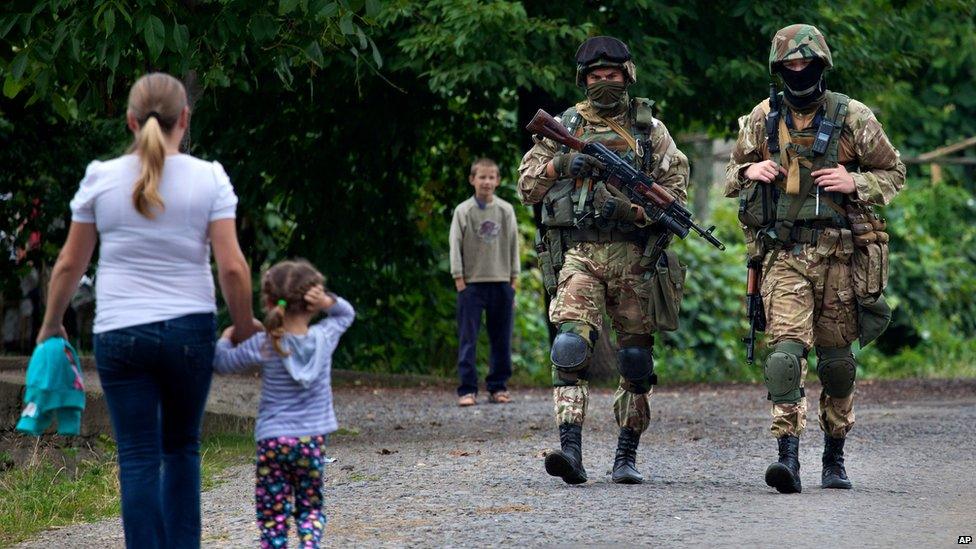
803 233
606 235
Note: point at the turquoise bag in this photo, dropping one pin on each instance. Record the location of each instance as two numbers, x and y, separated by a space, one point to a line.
55 388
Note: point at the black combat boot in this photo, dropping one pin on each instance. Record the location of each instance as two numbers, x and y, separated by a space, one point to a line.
568 462
834 475
784 475
624 463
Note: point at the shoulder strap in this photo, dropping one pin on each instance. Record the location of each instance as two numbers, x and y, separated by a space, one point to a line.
837 106
622 132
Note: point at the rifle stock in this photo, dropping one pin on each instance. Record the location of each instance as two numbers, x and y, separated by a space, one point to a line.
544 124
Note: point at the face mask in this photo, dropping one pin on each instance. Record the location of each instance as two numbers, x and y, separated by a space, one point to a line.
805 86
605 94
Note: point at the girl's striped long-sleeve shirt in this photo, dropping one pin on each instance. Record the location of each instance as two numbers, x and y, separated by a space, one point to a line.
296 390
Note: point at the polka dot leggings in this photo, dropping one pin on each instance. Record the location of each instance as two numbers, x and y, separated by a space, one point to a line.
289 482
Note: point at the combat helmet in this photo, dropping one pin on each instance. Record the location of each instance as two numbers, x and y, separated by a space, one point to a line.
799 42
604 51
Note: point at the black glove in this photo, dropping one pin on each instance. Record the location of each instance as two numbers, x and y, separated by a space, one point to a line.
613 204
575 164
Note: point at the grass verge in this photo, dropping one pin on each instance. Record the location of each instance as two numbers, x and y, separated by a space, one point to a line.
56 487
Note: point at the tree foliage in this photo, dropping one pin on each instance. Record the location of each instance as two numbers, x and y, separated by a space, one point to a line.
347 128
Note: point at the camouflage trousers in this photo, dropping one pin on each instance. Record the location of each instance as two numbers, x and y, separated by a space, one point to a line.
597 277
809 298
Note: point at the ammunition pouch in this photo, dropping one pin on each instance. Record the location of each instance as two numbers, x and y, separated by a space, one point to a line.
557 205
869 273
757 205
550 251
869 262
665 287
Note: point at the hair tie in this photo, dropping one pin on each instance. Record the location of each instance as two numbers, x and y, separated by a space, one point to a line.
282 303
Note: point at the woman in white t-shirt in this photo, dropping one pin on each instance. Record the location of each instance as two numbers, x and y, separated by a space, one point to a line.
157 213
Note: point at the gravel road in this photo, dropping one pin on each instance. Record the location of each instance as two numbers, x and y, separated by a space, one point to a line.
415 470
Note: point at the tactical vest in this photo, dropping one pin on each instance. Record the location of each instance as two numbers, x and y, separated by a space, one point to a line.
768 207
568 204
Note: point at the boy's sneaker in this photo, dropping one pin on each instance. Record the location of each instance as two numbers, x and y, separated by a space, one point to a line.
499 397
467 400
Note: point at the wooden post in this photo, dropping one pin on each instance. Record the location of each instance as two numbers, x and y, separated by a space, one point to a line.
936 170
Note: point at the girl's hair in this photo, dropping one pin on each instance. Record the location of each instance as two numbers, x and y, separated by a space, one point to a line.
156 102
283 289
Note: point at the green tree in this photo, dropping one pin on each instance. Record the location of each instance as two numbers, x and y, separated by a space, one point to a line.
347 128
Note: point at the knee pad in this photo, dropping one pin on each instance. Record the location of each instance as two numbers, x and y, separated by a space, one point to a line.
572 347
836 369
782 372
636 366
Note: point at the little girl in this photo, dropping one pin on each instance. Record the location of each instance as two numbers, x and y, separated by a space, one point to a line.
295 413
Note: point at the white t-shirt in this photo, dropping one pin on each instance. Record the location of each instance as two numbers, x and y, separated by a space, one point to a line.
153 269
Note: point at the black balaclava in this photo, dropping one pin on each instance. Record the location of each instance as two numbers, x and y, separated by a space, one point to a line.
804 88
608 97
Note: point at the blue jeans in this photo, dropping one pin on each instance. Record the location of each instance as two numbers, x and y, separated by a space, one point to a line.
495 299
156 378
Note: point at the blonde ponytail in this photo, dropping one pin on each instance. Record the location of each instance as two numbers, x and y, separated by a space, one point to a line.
156 101
150 145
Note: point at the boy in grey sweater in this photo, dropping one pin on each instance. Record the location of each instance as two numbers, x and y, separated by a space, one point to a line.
485 267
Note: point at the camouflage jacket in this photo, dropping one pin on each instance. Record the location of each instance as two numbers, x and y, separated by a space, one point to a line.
669 166
881 175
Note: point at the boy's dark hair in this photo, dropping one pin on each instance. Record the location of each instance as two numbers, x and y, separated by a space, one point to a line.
283 289
483 162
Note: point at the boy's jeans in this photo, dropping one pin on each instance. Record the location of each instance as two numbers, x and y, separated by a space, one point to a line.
156 377
495 299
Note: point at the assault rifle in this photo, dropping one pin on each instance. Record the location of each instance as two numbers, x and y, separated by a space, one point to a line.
659 204
754 308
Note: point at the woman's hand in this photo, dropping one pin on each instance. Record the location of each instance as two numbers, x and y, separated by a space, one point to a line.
236 336
47 332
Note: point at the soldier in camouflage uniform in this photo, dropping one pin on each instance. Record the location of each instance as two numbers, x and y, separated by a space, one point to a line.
833 159
597 242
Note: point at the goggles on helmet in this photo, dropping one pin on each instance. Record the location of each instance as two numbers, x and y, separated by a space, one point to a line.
602 47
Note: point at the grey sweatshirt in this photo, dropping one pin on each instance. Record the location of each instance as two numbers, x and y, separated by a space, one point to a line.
484 241
296 390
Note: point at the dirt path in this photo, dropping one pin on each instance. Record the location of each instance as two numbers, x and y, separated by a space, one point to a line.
422 472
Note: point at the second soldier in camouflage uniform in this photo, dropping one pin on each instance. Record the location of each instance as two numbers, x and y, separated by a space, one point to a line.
834 164
596 240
